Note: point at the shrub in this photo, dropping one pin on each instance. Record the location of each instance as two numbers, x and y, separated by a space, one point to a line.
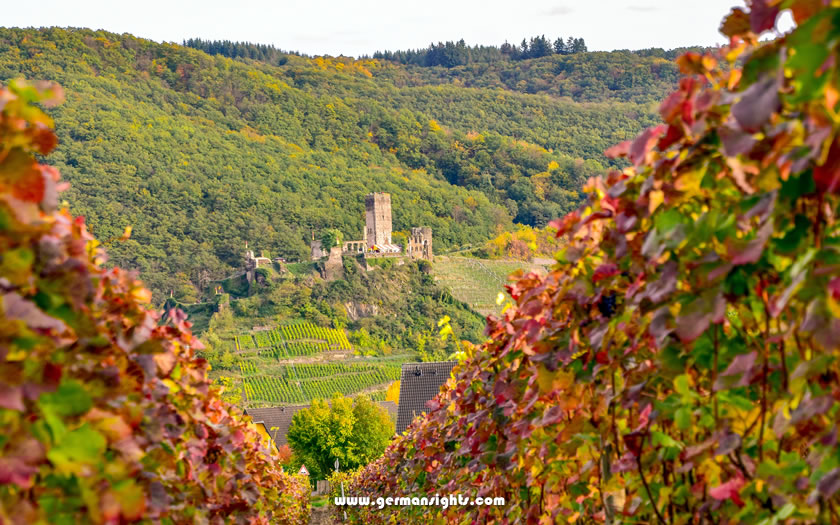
331 238
681 363
107 416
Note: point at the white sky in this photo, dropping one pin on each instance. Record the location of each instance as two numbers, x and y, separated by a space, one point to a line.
354 27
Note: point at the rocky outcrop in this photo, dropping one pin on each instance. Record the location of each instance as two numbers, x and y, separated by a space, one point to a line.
356 311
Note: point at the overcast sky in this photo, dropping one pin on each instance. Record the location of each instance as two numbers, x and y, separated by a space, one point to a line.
356 27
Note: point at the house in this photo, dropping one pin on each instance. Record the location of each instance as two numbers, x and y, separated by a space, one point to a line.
263 432
277 420
419 383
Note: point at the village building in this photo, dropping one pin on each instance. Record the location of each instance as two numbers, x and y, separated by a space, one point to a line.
419 384
263 432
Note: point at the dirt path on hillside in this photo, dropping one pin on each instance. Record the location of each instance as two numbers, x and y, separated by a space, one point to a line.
321 358
321 516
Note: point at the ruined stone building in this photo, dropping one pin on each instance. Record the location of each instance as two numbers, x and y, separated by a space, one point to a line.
377 236
252 263
420 243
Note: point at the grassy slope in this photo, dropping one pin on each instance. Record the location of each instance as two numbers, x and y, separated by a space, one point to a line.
478 282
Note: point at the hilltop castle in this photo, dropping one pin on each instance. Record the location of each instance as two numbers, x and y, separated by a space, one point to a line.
376 237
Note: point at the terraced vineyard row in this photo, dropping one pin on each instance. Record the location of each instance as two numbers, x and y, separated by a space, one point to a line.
309 371
275 389
291 349
294 340
244 342
335 338
247 368
378 395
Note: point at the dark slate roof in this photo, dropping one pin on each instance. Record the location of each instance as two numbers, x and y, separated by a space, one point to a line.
281 417
419 383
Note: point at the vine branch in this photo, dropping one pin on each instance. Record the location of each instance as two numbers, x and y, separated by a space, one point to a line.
647 487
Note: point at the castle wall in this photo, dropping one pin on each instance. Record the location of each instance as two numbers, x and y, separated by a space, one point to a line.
378 232
252 263
334 265
317 251
354 247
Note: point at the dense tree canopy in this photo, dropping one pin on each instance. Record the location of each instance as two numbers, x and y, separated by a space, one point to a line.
353 431
261 52
451 54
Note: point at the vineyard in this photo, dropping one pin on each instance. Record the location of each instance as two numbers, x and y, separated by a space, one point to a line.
378 395
477 282
269 376
294 340
304 382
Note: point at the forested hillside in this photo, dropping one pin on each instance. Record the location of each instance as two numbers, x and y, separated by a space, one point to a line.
641 77
201 153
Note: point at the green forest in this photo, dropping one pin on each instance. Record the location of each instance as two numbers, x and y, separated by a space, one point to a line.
200 153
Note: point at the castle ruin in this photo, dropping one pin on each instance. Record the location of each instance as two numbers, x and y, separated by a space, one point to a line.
252 263
420 243
377 236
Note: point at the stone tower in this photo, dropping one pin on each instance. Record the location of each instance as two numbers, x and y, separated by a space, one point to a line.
377 219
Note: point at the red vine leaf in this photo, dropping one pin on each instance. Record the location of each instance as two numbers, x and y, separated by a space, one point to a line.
827 175
644 143
763 15
729 490
829 484
739 372
11 397
756 104
736 23
695 317
746 252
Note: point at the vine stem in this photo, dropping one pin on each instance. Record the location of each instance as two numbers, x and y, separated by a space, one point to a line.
647 488
799 345
818 222
782 355
714 373
665 473
614 427
765 373
833 512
